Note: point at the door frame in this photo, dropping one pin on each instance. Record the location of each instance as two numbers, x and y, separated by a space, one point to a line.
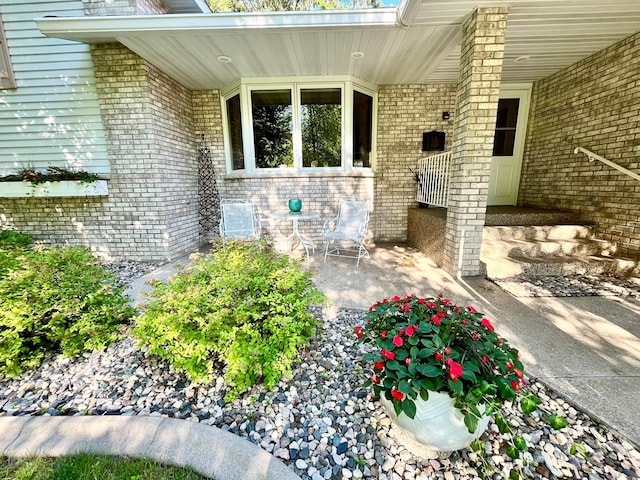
523 91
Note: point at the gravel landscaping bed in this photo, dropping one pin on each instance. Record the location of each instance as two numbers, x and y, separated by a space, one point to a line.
321 422
126 270
570 286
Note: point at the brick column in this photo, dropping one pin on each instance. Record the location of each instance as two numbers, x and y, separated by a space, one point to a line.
478 93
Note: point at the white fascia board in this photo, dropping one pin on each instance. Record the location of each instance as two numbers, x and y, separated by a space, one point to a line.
406 12
104 28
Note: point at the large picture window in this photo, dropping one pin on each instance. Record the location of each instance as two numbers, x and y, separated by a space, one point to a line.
321 127
298 127
271 113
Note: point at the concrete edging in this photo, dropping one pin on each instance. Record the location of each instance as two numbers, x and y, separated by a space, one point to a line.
207 449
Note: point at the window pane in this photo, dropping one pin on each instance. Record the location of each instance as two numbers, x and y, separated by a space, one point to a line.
321 116
505 135
235 132
272 128
6 68
362 129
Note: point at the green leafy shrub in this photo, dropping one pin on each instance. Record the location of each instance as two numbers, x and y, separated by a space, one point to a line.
10 239
243 306
11 243
52 299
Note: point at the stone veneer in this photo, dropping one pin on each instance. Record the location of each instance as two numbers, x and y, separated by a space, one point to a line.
593 104
483 35
404 113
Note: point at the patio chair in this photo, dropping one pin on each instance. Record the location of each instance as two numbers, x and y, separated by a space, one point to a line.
347 238
239 219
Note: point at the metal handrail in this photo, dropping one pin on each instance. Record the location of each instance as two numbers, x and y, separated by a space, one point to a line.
433 177
594 156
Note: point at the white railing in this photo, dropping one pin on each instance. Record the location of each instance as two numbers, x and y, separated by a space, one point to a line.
594 156
433 177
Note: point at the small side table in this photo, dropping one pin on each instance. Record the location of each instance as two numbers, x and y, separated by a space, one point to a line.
294 218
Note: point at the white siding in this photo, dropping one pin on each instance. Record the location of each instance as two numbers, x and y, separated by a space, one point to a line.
52 118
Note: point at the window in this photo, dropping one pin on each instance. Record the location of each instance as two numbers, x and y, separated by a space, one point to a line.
273 126
271 113
235 132
321 127
6 69
505 136
362 129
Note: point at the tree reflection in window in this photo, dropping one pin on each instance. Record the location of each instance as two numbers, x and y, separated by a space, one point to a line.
272 128
321 118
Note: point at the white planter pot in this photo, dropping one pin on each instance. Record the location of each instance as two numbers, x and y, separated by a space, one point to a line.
438 425
65 188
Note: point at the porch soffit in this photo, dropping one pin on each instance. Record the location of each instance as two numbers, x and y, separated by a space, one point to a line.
417 43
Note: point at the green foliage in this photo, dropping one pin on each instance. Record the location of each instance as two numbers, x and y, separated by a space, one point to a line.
52 174
10 239
52 299
87 466
242 306
11 244
287 5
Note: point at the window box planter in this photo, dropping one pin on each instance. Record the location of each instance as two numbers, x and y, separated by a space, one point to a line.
64 188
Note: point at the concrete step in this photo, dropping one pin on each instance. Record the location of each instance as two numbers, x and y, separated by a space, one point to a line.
537 232
504 267
545 248
527 216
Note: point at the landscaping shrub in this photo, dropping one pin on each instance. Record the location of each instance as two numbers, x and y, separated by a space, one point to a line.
55 299
10 239
243 307
11 242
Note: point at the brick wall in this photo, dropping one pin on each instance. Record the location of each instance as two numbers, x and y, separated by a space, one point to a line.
151 212
593 104
175 159
404 113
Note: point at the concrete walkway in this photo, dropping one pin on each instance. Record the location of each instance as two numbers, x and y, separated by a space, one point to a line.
586 348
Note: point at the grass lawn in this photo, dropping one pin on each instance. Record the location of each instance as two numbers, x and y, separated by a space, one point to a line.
91 467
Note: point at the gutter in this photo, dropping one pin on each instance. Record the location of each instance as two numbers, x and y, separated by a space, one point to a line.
109 28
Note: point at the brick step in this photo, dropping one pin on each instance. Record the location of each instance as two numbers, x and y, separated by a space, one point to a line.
545 248
505 267
537 232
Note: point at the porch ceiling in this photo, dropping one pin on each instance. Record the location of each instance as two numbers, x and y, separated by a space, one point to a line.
416 43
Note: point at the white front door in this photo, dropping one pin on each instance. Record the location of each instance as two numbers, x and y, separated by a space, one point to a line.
508 146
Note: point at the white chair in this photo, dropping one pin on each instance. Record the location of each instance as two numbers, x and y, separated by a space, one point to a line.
347 238
239 219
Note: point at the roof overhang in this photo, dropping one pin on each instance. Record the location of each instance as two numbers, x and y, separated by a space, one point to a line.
416 43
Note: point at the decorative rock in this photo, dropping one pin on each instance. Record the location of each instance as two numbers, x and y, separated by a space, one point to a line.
320 417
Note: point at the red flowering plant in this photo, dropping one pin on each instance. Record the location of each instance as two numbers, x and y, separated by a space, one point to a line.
53 174
431 345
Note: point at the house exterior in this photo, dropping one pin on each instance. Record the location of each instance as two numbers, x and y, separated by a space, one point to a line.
127 89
